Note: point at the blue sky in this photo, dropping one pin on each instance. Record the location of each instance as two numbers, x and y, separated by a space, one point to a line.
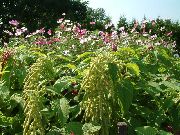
166 9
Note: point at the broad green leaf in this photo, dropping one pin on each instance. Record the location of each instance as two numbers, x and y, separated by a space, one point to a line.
39 54
70 66
171 85
75 111
134 68
74 127
62 109
4 91
113 71
87 60
61 84
17 97
154 88
84 55
161 132
63 58
7 71
21 74
125 94
146 130
89 129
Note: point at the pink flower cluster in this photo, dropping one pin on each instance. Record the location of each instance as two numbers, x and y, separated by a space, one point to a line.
14 22
42 41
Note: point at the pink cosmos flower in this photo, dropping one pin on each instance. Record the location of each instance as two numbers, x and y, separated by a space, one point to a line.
169 33
101 33
56 39
82 32
14 22
18 32
92 23
42 30
49 32
62 26
60 20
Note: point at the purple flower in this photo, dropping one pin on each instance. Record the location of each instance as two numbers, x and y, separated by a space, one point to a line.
14 22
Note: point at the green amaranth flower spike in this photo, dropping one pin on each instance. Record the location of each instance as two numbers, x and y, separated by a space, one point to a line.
98 87
35 81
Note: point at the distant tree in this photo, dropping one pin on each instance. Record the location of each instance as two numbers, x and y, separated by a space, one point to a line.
77 11
98 16
123 22
35 14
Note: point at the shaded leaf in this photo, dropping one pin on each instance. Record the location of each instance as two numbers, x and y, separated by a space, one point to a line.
146 130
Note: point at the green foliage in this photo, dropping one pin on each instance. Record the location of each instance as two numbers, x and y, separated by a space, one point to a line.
84 82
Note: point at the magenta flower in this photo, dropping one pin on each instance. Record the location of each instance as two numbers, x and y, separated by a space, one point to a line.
82 32
14 22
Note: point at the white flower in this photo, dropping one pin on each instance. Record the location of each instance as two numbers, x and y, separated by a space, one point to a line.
66 52
67 21
145 34
69 24
68 29
83 40
107 26
73 46
154 36
24 29
89 38
93 43
162 28
8 32
157 43
121 28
